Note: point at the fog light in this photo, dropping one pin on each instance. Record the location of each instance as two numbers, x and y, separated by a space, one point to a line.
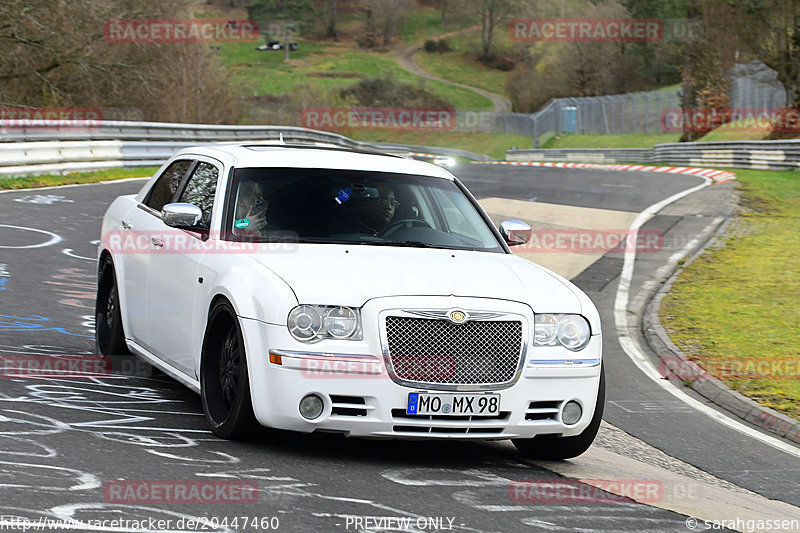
311 407
572 413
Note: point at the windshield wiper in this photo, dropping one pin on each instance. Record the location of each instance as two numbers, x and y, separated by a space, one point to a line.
322 240
409 244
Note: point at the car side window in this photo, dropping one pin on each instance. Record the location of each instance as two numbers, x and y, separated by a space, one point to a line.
167 185
200 190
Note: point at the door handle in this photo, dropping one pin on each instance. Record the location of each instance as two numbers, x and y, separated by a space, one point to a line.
158 242
126 224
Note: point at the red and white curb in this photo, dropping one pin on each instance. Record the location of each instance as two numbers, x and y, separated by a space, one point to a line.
719 176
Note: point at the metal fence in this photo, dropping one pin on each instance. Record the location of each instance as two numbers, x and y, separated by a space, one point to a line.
623 113
754 86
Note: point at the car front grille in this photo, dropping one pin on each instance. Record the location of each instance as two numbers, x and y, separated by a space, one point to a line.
434 351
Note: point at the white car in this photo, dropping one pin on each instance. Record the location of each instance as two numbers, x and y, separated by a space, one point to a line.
315 288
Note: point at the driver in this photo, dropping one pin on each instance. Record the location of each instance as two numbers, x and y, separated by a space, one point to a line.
377 213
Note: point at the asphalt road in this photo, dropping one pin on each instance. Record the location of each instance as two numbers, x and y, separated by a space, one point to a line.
62 442
634 403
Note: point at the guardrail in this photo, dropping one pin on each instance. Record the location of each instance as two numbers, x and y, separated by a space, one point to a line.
745 154
775 155
158 131
82 146
591 155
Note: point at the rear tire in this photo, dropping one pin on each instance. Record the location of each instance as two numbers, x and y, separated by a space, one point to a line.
555 448
109 333
224 380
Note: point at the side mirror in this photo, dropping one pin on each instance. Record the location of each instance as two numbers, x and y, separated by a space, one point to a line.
515 232
184 216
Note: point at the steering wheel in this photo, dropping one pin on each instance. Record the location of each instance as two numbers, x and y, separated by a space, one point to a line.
406 222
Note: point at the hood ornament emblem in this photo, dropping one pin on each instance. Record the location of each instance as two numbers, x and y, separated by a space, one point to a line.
457 316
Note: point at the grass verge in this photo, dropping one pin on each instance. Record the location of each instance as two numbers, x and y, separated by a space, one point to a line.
492 144
735 309
737 131
627 140
426 23
50 180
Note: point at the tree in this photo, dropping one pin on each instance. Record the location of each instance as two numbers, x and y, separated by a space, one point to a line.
491 13
331 6
570 69
59 58
763 30
777 25
385 16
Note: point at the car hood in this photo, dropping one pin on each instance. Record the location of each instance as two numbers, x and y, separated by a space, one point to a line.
351 275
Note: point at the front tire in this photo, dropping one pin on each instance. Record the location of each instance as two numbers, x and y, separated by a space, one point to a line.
109 333
555 448
224 380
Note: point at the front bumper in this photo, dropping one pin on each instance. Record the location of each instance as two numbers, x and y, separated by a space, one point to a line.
361 400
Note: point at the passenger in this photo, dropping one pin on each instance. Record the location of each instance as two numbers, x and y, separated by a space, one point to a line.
251 210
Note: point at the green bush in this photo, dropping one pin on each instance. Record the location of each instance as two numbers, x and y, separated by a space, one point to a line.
388 92
434 46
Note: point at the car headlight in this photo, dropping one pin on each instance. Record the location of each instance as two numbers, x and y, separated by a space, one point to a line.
311 323
570 331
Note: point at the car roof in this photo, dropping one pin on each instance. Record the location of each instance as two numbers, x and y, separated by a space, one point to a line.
255 155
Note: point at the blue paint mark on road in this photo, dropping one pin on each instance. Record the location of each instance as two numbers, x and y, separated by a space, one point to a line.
2 284
34 323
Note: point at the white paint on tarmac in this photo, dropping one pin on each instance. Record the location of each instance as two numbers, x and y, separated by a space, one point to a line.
44 199
53 238
69 252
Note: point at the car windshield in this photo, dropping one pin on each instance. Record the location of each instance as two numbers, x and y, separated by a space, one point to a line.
359 207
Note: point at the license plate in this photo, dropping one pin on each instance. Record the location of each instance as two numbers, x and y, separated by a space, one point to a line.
420 403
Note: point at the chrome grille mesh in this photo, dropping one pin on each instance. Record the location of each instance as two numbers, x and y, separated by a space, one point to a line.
438 351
